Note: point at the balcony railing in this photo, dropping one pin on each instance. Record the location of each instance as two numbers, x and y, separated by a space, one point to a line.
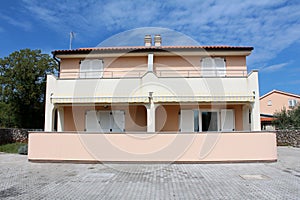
159 73
201 73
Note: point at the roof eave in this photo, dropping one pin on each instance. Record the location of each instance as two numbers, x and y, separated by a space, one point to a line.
177 50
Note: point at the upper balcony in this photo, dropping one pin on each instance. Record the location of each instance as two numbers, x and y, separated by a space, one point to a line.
164 86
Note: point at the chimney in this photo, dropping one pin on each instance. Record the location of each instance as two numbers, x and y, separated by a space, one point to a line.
157 40
148 40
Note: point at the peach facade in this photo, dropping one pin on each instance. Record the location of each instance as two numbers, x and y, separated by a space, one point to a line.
160 147
167 119
153 103
169 65
275 101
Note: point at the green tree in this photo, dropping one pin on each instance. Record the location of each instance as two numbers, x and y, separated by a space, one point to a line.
288 119
23 81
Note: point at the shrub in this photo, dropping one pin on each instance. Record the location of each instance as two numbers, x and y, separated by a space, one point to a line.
23 149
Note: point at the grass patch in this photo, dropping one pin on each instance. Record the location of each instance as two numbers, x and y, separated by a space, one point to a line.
283 144
11 148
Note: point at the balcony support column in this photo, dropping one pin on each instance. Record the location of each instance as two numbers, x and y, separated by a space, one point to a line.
150 117
60 119
151 107
49 118
254 89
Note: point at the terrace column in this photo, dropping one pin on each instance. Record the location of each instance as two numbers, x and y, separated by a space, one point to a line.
60 119
49 107
150 114
150 117
49 118
246 120
255 112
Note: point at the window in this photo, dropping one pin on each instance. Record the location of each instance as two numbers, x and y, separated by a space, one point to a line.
292 102
270 103
91 68
213 67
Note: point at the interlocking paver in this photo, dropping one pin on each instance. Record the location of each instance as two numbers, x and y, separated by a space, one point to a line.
21 179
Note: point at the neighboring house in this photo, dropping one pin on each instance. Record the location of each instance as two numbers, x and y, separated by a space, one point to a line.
273 102
114 95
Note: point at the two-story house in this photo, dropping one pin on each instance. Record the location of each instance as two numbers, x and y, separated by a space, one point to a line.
274 101
141 103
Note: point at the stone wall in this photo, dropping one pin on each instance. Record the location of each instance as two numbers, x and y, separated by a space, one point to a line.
11 135
288 137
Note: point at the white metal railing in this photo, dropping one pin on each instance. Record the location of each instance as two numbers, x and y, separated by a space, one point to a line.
202 73
102 74
159 73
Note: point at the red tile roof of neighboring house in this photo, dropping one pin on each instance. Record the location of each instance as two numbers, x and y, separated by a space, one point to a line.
267 119
136 48
280 92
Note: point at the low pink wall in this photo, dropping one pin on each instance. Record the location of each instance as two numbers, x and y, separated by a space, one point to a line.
164 147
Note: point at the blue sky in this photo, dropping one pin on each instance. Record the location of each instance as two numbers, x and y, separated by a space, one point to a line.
271 27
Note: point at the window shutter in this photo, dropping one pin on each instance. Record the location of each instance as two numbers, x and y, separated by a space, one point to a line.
220 66
207 67
91 68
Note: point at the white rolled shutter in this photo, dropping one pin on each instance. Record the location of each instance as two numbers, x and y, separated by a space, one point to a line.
187 121
91 121
227 120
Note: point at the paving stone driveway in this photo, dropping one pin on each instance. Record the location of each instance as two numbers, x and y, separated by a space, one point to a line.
20 179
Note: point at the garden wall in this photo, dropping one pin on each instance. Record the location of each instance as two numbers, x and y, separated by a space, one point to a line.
288 138
11 135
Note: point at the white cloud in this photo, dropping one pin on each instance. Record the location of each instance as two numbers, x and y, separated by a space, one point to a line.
274 68
270 26
18 23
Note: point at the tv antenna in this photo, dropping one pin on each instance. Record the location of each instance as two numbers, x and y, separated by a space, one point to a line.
72 36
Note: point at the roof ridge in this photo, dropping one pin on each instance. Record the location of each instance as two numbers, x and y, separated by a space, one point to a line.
279 91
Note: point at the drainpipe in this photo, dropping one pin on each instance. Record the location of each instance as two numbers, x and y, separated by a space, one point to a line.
58 61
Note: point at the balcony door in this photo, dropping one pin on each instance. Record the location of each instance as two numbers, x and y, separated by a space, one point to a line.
212 67
105 121
198 120
209 121
91 68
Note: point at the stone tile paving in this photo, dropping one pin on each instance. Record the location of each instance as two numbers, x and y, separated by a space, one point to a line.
21 179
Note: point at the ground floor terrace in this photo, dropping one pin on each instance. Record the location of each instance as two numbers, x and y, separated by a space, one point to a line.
168 117
151 132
